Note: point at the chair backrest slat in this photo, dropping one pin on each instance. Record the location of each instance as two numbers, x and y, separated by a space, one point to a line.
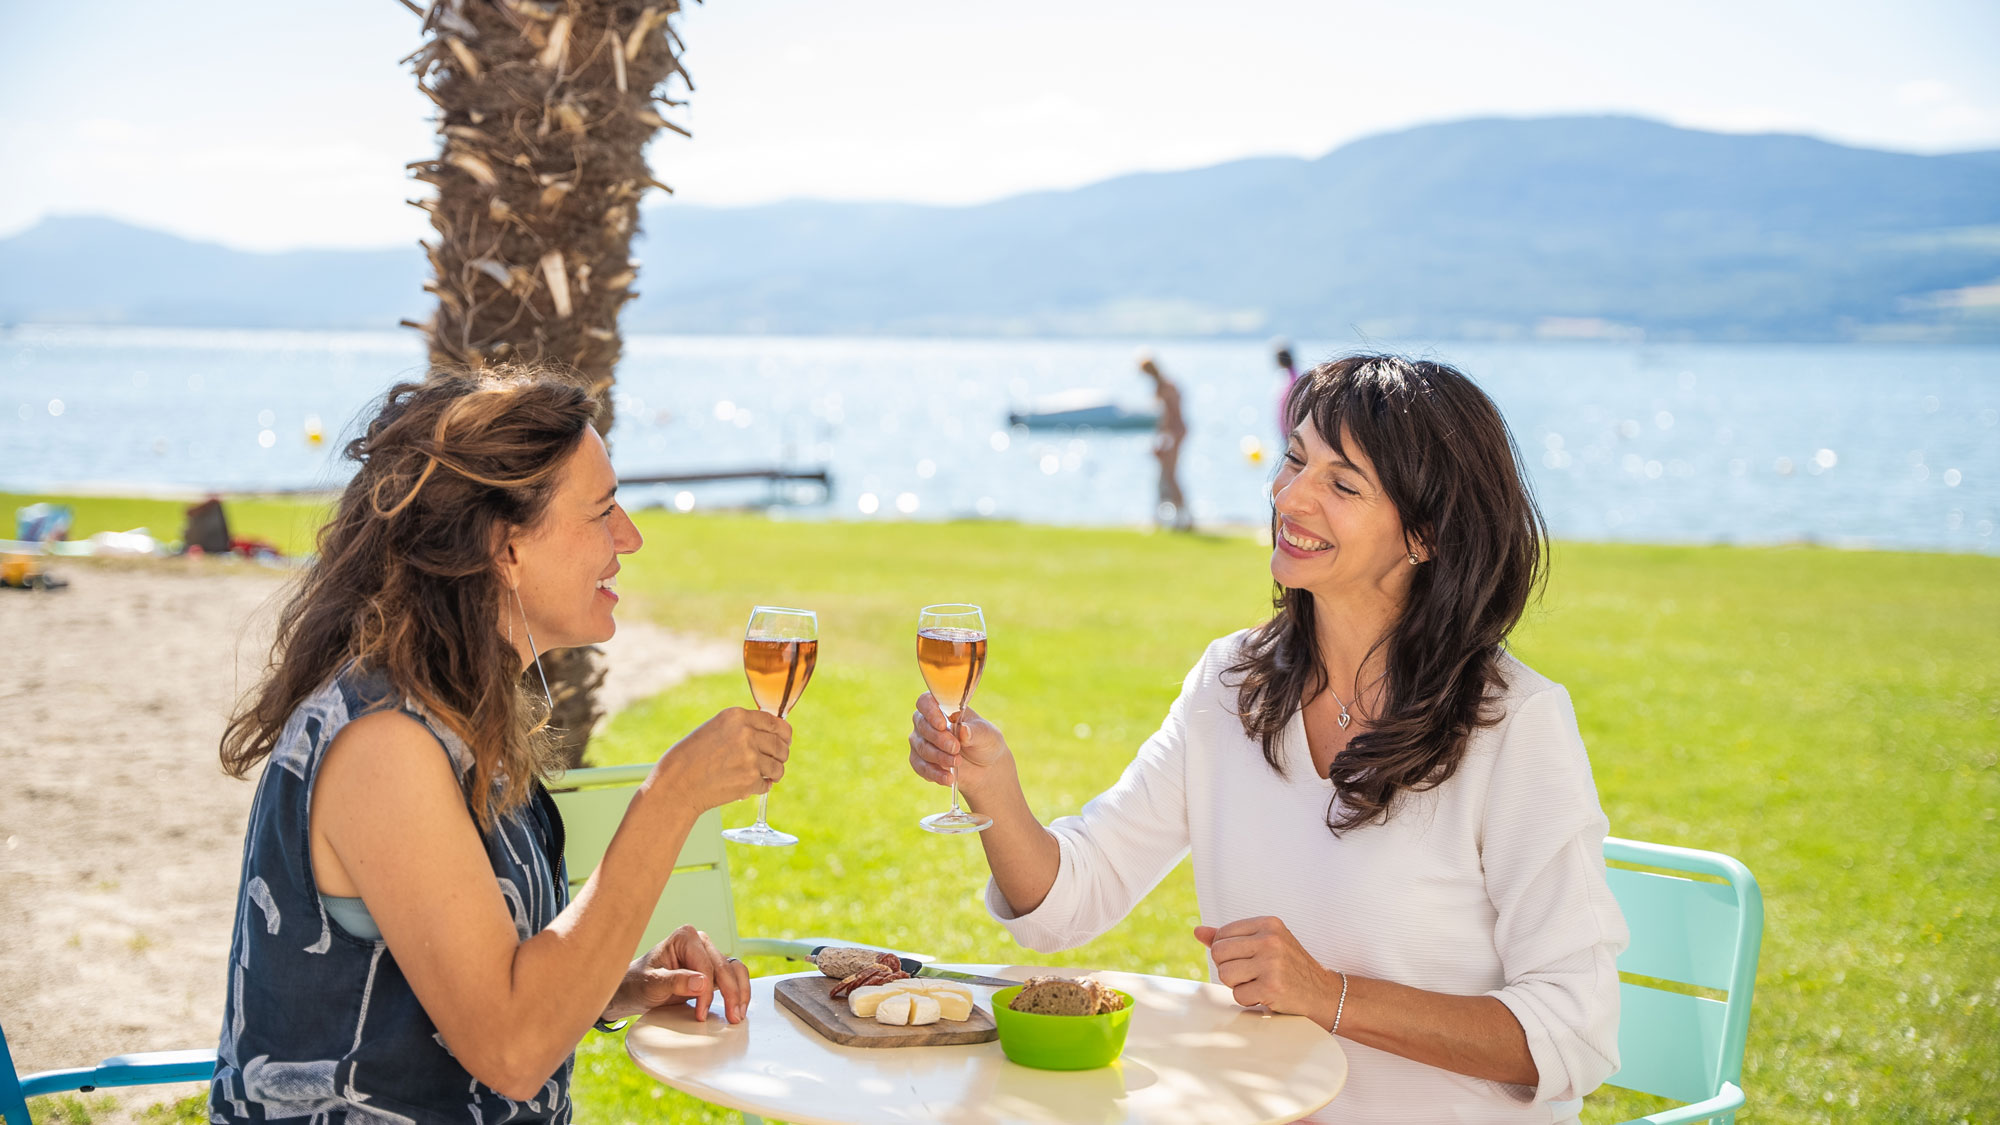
145 1068
1669 1045
1682 930
593 803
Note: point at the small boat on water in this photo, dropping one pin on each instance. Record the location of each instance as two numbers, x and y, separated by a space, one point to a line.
1077 409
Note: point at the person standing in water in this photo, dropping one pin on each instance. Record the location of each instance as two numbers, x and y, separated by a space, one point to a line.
1167 443
1282 352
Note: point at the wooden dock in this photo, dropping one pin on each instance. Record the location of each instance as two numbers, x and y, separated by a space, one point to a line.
820 477
781 482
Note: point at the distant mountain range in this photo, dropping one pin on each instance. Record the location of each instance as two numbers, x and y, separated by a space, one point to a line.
1562 227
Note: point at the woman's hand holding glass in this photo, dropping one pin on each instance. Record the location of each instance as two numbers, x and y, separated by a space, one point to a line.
978 750
739 753
1023 856
780 651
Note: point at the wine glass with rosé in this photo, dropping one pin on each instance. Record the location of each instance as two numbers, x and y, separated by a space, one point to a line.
780 647
951 653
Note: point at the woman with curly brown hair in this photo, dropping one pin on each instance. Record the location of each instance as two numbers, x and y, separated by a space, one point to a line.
405 948
1392 820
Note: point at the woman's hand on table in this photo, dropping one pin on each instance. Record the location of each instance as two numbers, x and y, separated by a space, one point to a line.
978 749
686 966
1262 963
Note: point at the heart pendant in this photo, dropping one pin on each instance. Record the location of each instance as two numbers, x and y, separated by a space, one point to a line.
1344 720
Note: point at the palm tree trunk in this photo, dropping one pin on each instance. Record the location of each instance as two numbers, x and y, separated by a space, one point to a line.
544 109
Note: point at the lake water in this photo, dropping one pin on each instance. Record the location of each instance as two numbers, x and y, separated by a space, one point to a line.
1849 445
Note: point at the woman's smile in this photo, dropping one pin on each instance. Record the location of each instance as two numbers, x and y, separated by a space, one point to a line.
1296 543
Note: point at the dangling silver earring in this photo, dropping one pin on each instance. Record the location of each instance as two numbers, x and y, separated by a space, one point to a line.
537 653
1414 560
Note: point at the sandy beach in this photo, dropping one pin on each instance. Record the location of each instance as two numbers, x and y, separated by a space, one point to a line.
120 837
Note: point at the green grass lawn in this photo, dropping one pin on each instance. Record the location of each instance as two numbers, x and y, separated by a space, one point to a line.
1831 718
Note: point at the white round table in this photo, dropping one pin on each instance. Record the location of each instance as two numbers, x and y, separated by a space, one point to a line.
1192 1055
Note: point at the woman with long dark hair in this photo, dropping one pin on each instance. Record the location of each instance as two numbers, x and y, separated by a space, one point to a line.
406 948
1393 822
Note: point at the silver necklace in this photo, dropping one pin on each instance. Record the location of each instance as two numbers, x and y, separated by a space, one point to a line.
1345 718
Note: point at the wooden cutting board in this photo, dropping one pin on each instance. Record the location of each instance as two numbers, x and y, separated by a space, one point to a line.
807 998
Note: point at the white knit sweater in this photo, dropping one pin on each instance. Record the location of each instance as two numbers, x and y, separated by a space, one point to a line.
1492 883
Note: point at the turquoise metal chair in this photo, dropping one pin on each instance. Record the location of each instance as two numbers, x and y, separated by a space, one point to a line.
1689 932
150 1068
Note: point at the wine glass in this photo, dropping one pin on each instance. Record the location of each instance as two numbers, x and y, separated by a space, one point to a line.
951 653
780 647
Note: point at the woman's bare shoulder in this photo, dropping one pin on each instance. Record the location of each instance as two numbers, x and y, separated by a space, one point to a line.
388 746
388 726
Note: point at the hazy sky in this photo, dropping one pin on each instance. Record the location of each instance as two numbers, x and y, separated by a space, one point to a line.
281 123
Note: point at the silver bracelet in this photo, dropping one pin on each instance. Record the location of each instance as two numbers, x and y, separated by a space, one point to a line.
1341 1007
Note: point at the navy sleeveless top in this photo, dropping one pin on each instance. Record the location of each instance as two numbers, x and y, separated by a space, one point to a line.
320 1023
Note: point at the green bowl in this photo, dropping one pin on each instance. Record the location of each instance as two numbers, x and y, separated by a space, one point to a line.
1060 1042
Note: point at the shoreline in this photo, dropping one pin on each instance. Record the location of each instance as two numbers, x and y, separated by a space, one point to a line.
112 492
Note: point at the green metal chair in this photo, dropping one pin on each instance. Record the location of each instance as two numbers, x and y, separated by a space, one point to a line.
150 1068
1690 932
593 803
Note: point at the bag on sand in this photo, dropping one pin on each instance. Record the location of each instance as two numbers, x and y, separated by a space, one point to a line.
207 527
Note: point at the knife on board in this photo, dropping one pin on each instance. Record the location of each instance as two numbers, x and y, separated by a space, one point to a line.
810 951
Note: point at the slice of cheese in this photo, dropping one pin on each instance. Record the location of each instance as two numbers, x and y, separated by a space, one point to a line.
865 1000
912 1009
953 1005
893 1009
